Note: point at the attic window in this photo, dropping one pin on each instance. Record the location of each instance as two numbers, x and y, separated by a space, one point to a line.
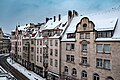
84 26
71 35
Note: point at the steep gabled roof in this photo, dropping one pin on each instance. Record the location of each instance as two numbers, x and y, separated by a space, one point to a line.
103 21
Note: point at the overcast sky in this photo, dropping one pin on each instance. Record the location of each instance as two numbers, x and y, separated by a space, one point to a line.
14 12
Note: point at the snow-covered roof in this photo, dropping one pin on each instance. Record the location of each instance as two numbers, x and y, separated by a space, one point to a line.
117 30
51 24
107 39
54 25
71 28
103 21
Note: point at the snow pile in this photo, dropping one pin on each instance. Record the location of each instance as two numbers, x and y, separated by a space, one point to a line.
31 75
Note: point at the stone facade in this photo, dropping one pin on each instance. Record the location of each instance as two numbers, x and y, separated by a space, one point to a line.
85 56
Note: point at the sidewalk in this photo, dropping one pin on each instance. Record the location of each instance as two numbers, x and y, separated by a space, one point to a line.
31 75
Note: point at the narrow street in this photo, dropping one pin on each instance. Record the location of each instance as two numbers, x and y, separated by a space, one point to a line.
12 70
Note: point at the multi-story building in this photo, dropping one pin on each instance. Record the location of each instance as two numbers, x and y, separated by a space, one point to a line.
71 47
48 50
29 45
16 43
4 42
90 48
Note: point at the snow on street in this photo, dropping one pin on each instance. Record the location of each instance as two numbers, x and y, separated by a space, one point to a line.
31 75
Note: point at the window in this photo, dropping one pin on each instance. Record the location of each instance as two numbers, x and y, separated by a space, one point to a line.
84 75
99 48
84 26
96 77
37 50
20 49
51 62
40 42
87 35
107 48
84 47
67 46
37 42
81 35
51 52
20 43
40 50
71 35
39 34
56 42
66 69
56 52
84 60
109 78
51 42
32 49
99 63
37 58
40 58
107 64
74 72
70 46
70 58
107 34
56 63
32 42
103 48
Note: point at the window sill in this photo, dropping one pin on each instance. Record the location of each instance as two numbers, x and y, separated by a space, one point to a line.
65 72
70 62
87 65
70 50
84 78
103 68
103 52
99 67
107 69
75 75
84 51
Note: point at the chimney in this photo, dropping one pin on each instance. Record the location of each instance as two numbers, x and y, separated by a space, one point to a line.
69 15
47 19
59 17
75 13
54 18
50 19
18 25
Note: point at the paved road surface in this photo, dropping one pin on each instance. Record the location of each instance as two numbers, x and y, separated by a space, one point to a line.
12 70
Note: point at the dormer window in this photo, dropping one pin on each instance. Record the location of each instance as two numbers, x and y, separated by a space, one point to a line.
71 35
84 26
104 34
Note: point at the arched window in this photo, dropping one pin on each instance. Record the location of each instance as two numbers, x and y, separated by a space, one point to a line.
84 26
74 71
84 74
109 78
65 69
96 77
